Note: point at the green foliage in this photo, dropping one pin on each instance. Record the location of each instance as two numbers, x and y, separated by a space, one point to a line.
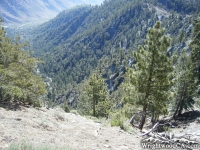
189 6
117 120
148 81
96 90
84 104
66 108
103 107
88 37
18 76
74 53
79 40
185 84
195 53
120 117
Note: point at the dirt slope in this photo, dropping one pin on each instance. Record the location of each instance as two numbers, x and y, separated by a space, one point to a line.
57 128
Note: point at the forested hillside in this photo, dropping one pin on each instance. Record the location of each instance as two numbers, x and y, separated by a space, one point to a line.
124 59
82 39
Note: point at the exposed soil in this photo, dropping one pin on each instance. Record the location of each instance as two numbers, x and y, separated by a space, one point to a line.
57 128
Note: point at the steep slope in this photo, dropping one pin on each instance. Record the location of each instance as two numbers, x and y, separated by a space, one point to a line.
59 29
14 11
186 6
56 128
73 44
84 38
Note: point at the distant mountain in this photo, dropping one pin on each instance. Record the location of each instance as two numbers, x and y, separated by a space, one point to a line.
84 38
15 11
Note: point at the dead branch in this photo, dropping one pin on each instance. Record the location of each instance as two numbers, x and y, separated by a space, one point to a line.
153 129
167 137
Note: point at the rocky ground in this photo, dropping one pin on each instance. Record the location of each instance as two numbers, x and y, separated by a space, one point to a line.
54 127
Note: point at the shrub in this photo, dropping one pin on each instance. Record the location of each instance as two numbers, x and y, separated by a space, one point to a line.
66 108
117 120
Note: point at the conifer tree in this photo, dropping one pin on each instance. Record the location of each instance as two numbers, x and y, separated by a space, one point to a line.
148 81
187 74
18 76
195 53
184 84
97 92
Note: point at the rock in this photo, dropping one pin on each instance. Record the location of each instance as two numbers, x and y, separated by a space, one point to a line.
6 146
107 146
124 147
18 119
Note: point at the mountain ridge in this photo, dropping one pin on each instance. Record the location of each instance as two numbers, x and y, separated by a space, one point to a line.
29 11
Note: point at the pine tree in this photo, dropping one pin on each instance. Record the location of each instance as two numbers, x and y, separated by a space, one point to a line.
187 74
195 53
149 80
184 86
18 76
97 92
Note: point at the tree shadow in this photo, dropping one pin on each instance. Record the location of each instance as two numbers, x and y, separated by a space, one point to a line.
188 116
10 105
180 121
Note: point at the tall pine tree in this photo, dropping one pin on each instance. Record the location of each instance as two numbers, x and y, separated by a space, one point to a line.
149 80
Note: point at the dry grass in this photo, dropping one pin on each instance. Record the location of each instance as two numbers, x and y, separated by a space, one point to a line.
29 146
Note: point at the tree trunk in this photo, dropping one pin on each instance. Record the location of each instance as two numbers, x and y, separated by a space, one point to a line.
180 108
198 68
1 94
176 110
94 103
143 117
180 103
94 110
